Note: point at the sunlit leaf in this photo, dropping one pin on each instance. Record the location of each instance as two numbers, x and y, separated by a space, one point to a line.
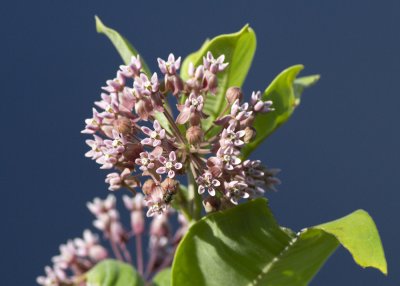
246 246
284 91
239 49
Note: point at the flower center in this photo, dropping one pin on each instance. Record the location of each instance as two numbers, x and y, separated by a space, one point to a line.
168 165
153 134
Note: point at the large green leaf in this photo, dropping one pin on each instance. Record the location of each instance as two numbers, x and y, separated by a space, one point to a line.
239 49
285 91
163 278
126 51
113 273
245 246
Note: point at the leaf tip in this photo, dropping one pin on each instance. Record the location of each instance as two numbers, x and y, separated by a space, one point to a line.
99 24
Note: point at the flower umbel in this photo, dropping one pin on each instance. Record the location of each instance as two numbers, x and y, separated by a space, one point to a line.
171 147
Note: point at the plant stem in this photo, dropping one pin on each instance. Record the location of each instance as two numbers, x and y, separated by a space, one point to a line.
139 253
194 197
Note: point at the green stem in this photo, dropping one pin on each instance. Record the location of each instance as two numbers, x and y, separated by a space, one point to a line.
194 197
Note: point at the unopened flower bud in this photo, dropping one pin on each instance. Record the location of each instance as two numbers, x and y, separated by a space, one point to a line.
169 185
249 135
233 93
149 186
211 204
194 135
123 125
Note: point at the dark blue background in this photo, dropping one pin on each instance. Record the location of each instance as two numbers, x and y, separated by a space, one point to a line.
339 152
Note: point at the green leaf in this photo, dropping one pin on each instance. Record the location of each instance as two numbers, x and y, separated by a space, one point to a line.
126 51
239 49
163 278
245 246
122 45
285 91
113 273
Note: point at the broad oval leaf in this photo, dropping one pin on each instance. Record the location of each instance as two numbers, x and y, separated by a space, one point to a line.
113 273
284 91
126 51
163 278
239 49
246 246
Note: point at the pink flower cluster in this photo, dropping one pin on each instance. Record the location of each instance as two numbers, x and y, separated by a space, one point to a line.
135 132
79 255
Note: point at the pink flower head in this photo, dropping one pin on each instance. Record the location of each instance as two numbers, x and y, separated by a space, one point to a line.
169 166
171 66
155 136
133 68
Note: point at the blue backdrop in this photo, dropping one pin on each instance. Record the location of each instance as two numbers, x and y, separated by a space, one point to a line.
339 152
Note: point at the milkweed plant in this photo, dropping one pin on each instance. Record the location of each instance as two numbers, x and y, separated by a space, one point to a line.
179 143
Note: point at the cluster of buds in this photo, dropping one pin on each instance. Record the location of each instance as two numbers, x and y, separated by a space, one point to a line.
79 255
136 134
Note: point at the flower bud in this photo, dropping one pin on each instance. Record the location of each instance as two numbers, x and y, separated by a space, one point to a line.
149 186
169 185
233 93
194 135
250 134
123 125
211 204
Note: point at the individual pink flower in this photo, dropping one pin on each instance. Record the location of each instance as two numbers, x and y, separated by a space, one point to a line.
192 110
207 182
133 68
119 180
214 65
169 166
195 81
148 161
89 246
229 158
171 66
155 201
155 136
145 86
93 124
135 205
96 146
235 190
115 85
231 138
258 104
